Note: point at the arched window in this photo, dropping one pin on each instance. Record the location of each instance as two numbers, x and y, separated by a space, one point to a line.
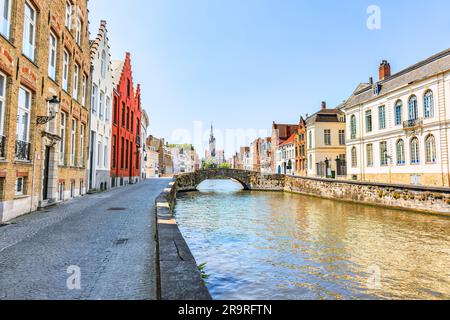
354 158
413 112
415 151
103 64
430 149
398 112
400 146
353 126
428 104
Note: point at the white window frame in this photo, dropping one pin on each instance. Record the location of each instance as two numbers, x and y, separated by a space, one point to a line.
62 132
68 22
78 31
84 90
53 49
94 99
82 132
20 192
73 145
2 102
76 78
21 111
5 18
107 109
100 108
29 31
65 75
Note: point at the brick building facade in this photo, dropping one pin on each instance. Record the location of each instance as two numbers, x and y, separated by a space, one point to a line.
44 52
126 129
300 149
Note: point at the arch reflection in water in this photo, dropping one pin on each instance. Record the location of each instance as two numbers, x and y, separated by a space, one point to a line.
220 186
265 245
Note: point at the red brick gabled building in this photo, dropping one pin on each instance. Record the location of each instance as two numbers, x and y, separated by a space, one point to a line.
126 126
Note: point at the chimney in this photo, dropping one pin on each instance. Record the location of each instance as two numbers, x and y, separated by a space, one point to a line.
324 105
385 70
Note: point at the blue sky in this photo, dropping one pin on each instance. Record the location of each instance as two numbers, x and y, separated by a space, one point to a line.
245 63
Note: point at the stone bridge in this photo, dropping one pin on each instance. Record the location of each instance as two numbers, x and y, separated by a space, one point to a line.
250 180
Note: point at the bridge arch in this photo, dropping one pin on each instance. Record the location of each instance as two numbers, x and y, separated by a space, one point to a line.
191 181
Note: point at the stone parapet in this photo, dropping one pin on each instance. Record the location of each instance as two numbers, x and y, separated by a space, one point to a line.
178 275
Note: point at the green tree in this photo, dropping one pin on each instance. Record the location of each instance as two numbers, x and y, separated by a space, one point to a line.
225 165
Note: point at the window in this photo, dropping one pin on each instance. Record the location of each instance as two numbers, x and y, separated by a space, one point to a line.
114 148
383 154
415 151
99 151
73 144
94 99
398 113
353 127
29 31
52 57
430 149
62 134
108 109
382 117
115 110
368 121
327 137
132 121
310 140
84 91
342 137
412 109
354 158
428 104
105 154
101 105
400 146
68 14
23 116
122 145
103 64
310 162
2 108
5 18
79 30
128 118
65 81
369 150
128 88
76 72
123 114
20 186
82 132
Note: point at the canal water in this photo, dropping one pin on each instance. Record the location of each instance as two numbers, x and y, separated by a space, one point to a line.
267 245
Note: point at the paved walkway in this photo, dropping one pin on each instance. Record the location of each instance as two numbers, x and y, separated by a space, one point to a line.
110 237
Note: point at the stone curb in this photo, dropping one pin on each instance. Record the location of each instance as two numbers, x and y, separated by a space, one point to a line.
178 276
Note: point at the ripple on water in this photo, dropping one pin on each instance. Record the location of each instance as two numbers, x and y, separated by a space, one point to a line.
263 245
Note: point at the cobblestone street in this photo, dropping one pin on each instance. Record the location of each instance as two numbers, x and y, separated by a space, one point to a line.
109 236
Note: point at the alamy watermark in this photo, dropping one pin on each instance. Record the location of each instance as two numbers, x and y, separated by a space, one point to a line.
374 19
74 280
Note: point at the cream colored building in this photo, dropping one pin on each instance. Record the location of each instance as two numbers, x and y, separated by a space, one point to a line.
398 127
326 143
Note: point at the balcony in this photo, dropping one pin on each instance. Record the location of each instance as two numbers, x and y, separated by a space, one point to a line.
2 147
413 124
23 150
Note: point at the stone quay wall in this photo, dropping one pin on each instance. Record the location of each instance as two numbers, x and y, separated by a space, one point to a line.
178 276
407 197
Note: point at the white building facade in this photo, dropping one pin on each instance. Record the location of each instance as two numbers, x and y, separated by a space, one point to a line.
398 128
286 157
101 112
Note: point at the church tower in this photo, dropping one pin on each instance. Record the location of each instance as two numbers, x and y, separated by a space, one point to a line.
212 144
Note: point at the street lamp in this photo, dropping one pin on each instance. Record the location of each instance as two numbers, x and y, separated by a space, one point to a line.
389 158
53 108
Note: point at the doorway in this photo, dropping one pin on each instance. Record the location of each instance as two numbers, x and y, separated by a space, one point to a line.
46 173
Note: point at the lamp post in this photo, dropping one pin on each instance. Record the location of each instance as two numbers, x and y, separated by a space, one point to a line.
389 158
